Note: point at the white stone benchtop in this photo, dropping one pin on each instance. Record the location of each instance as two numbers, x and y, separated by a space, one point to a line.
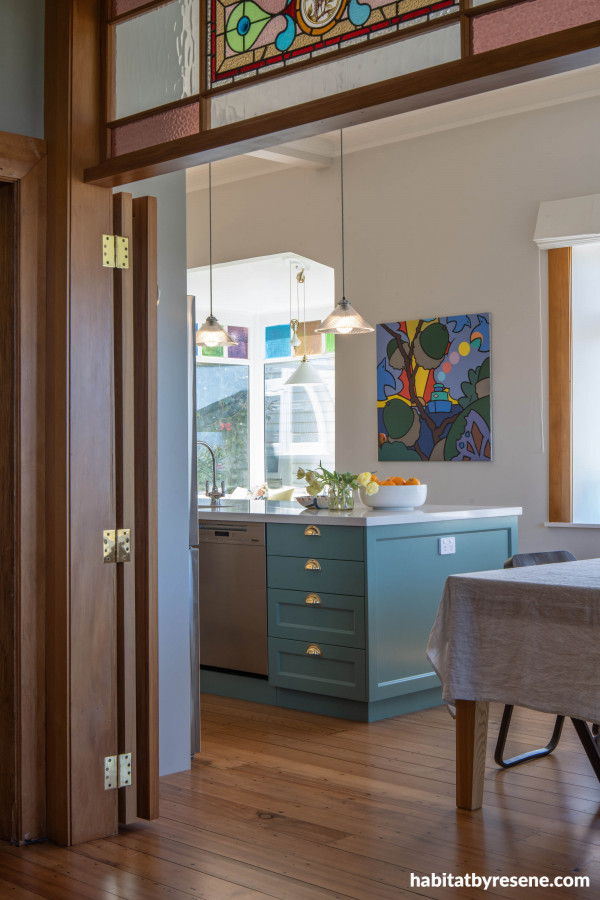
292 513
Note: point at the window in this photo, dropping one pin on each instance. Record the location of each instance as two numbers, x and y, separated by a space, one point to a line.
261 429
585 340
569 230
299 422
222 421
574 427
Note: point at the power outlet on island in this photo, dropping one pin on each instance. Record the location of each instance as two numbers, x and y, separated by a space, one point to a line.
446 545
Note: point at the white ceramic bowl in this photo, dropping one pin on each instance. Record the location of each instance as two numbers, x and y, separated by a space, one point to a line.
309 502
395 496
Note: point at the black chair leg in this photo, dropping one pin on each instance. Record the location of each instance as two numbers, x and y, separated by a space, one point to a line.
532 754
589 744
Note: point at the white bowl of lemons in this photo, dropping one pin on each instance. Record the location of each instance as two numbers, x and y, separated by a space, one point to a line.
395 493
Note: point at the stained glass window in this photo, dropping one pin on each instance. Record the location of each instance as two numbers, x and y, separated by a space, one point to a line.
253 37
239 350
277 341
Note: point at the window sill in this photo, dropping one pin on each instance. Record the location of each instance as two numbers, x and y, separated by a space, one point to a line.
570 525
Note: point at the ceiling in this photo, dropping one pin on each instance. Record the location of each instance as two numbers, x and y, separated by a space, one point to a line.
323 150
262 284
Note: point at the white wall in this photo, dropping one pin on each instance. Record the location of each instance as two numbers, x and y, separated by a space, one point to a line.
173 489
22 67
436 225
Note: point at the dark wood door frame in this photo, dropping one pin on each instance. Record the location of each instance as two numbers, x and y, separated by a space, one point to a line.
81 671
22 552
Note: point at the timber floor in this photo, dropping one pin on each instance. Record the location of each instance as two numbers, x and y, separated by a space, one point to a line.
292 805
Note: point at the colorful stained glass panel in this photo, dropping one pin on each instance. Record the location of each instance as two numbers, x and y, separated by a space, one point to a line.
277 341
213 351
240 350
253 37
314 342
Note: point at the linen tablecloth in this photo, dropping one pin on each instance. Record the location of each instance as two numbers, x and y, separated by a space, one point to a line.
525 636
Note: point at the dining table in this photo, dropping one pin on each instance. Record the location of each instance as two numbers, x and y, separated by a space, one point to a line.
526 637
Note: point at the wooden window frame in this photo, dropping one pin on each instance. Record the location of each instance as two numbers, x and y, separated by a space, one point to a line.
539 57
562 42
560 458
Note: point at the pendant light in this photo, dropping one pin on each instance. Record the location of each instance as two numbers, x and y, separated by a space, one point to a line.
306 372
211 334
344 319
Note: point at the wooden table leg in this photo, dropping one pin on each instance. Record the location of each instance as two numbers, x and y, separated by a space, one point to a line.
471 740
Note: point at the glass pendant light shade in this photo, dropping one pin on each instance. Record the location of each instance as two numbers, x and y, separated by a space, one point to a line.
212 335
304 374
344 320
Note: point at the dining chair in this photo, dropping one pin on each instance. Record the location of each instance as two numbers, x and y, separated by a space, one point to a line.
530 559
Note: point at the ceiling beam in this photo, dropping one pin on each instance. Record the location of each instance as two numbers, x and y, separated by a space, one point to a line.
293 156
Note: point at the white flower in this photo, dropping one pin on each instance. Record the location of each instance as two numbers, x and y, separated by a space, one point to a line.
364 479
371 488
313 490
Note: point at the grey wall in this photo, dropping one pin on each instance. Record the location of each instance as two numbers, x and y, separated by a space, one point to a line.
22 67
437 225
173 490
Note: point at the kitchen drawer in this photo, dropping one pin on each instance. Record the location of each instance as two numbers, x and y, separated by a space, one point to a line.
334 671
312 539
335 576
307 616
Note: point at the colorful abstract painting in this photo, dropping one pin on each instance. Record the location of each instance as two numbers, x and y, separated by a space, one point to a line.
253 37
433 389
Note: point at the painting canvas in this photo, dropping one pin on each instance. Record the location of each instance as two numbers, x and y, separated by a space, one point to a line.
433 389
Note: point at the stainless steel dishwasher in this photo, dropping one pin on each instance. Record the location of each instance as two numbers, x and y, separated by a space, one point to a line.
233 596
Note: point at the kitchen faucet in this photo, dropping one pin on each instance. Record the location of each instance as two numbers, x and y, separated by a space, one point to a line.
215 495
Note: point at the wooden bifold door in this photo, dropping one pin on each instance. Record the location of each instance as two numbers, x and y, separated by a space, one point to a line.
135 302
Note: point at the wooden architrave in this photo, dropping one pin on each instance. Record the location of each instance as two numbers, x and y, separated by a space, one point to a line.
22 624
535 58
81 590
125 468
560 478
145 298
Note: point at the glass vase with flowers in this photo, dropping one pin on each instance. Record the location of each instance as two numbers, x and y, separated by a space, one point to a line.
339 486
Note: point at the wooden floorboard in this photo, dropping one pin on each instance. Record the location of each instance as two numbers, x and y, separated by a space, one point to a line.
294 806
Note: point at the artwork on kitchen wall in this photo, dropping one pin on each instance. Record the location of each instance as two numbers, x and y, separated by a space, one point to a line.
433 389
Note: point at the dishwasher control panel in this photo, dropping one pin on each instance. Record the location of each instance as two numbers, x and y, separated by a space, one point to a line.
231 533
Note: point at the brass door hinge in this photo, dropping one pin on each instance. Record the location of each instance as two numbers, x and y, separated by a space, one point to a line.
124 769
116 545
117 771
115 251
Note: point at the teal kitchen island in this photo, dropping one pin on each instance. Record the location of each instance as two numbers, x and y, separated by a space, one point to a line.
350 601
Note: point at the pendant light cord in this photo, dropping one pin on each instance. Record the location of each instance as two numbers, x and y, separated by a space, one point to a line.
210 234
342 207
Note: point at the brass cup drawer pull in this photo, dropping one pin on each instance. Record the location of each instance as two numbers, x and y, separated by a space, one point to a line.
312 531
313 600
313 650
313 564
